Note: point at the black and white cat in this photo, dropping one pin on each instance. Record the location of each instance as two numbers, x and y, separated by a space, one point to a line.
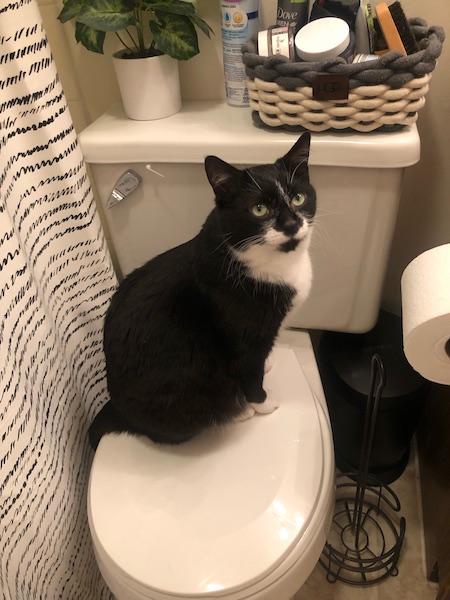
187 335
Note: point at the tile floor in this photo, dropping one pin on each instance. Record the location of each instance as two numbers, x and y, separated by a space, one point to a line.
411 582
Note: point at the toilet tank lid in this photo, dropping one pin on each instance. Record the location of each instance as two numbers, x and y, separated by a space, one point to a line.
212 127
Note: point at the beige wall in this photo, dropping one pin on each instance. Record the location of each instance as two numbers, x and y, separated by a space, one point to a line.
424 216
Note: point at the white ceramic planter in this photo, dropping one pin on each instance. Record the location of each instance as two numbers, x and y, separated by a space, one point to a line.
150 87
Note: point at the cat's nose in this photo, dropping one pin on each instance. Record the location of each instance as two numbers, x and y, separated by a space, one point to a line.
291 226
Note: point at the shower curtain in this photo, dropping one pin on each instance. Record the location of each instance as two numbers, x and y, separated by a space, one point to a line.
56 279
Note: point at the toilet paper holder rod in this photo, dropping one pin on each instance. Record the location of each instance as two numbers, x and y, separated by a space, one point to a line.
364 544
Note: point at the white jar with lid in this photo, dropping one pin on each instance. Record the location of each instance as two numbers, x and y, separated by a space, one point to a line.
325 38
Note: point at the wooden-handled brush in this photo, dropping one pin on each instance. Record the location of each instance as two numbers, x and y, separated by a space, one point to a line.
395 28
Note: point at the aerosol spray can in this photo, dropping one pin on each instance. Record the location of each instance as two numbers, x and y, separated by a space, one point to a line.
240 21
292 13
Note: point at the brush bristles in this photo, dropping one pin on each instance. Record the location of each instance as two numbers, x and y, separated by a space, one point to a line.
403 28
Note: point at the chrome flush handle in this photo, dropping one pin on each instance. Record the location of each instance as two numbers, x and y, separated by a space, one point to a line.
125 185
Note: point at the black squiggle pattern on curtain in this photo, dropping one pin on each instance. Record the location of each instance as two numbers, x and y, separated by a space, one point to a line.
56 280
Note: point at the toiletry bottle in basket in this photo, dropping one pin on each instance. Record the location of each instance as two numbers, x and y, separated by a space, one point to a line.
240 21
292 13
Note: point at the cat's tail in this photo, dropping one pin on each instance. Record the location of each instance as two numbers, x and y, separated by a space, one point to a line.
107 420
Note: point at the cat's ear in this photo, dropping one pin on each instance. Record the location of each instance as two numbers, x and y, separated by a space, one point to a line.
298 155
220 174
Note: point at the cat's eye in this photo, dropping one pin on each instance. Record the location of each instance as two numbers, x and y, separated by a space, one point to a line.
260 210
298 200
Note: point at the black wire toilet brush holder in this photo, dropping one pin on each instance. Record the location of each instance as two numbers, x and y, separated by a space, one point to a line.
364 544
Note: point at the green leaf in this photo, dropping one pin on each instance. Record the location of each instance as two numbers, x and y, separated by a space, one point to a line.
107 15
70 10
180 7
90 38
173 7
202 25
175 35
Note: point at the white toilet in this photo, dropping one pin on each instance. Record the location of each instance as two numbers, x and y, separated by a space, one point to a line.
242 511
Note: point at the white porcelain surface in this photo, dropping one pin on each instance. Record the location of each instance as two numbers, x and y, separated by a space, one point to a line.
222 511
211 127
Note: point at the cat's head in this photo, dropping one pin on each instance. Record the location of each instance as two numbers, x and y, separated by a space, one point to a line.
273 205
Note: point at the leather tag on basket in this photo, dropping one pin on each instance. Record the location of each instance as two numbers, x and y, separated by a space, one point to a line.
328 86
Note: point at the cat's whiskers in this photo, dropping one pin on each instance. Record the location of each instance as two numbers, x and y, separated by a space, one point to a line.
253 179
324 212
288 173
295 170
226 239
321 238
249 241
230 256
236 269
240 276
232 273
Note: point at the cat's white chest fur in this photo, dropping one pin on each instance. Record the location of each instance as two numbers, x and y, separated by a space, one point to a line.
265 262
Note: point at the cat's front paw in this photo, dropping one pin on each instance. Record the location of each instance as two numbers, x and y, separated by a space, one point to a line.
247 413
268 406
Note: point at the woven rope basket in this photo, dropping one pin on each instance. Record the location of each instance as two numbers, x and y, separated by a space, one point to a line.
384 94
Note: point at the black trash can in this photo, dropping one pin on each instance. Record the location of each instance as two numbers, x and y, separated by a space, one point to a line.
344 362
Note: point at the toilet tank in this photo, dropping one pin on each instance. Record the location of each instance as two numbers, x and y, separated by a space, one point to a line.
357 177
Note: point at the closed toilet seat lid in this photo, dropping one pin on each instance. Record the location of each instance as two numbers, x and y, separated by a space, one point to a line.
219 512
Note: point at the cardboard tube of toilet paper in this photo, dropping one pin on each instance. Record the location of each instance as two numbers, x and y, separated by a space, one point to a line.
426 314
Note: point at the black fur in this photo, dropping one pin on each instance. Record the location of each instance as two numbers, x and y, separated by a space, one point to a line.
187 334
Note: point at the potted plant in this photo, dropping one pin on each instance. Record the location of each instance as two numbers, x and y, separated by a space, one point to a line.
155 34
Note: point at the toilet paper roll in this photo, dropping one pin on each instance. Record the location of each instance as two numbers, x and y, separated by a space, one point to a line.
426 314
